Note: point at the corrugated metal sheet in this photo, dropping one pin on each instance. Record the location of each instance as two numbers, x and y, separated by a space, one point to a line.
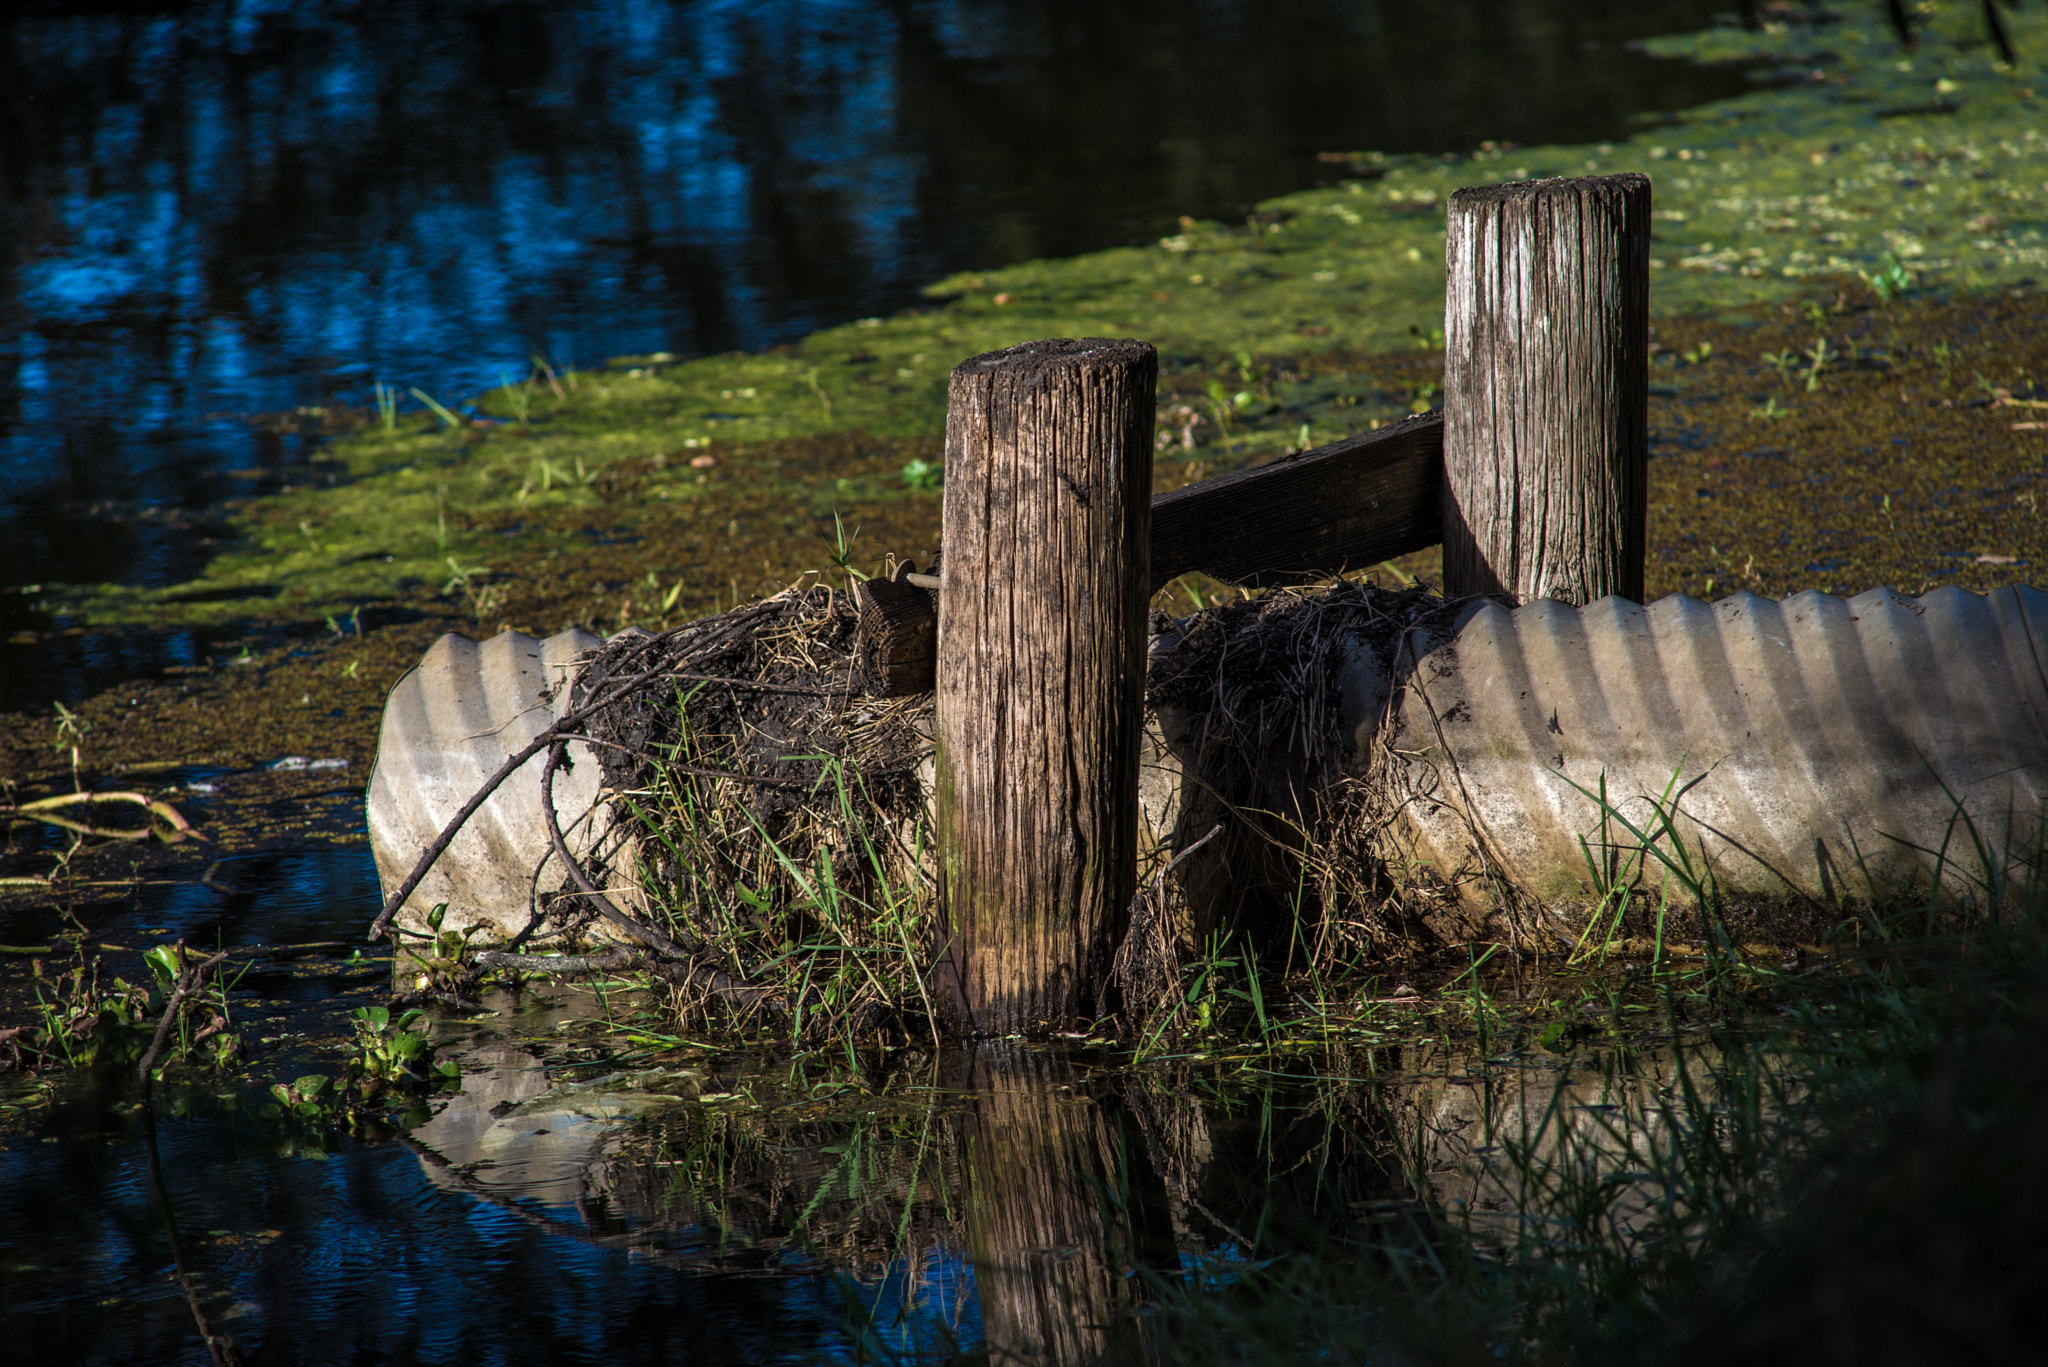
1813 746
448 725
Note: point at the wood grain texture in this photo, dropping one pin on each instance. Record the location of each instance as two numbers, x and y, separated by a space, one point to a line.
1309 516
1546 389
1062 1201
1045 574
896 653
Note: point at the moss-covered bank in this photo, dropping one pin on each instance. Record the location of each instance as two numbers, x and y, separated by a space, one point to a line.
1857 159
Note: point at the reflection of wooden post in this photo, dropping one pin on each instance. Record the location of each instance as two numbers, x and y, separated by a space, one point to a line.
1062 1202
1546 389
1041 676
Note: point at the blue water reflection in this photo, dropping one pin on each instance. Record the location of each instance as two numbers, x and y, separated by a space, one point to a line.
269 897
228 208
356 1257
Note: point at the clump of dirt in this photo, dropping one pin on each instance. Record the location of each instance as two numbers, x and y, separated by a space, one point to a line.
767 698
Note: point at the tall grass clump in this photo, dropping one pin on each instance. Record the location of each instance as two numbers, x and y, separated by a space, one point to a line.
1844 1160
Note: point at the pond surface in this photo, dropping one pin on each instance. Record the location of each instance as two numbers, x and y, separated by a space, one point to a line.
570 1204
218 214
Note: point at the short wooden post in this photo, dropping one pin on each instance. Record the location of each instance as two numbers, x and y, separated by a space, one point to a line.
896 653
1546 389
1045 579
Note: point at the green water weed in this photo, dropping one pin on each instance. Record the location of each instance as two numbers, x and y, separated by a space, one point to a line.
1818 358
448 418
1891 281
519 397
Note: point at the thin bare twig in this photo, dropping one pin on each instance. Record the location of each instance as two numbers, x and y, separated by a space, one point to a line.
189 980
45 809
570 724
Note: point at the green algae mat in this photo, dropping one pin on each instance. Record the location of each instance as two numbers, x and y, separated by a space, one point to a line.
1848 391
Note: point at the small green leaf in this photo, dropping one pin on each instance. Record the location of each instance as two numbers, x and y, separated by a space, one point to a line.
163 962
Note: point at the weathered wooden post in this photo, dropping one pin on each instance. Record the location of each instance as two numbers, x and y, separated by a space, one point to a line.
1045 578
1546 389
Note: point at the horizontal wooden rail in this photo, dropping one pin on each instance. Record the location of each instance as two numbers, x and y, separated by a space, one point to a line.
1301 518
1295 520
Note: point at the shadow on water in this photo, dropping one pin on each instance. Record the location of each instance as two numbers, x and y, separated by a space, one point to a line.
222 1348
996 1204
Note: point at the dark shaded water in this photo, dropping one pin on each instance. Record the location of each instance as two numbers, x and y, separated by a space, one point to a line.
694 1207
356 1256
705 1211
226 208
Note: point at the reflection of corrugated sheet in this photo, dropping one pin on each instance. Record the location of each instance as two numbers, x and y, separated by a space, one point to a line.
448 725
1815 741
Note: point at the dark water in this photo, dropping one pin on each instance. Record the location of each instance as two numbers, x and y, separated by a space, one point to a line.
350 1253
282 897
707 1211
566 1205
230 208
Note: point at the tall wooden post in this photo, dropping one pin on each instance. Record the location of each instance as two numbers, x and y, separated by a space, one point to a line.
1546 389
1044 581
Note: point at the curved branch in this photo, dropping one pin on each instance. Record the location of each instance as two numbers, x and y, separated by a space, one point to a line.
570 724
682 957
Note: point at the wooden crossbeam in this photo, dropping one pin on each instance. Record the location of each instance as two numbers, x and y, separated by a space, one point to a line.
1305 517
1295 520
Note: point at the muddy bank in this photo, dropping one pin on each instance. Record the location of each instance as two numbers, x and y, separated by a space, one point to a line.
1898 468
